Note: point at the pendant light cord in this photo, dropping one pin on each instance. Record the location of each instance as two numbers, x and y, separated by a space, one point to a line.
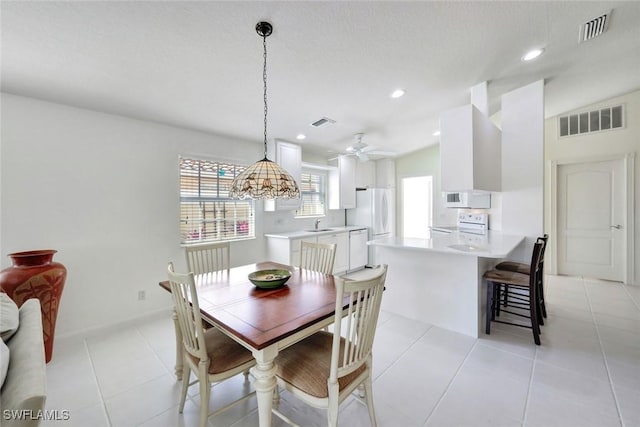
264 80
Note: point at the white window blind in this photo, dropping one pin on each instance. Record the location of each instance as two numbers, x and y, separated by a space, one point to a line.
313 193
207 213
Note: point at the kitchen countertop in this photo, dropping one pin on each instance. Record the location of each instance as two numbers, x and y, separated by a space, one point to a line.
300 234
494 244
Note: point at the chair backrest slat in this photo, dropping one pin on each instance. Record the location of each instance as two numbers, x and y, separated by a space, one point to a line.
208 258
358 326
543 240
185 300
535 265
317 256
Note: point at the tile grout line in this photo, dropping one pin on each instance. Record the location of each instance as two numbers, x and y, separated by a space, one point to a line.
455 375
604 356
95 378
626 290
525 413
403 353
153 350
131 387
399 357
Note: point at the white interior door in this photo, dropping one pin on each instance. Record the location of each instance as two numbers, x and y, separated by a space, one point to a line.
591 228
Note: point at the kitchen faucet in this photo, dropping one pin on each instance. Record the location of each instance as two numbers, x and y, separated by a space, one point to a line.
317 223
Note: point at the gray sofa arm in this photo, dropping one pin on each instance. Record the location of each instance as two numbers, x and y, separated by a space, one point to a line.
24 391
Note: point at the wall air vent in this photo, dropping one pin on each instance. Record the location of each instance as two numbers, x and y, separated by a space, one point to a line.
595 27
607 118
323 122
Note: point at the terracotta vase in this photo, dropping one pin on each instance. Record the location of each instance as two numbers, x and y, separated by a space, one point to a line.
34 275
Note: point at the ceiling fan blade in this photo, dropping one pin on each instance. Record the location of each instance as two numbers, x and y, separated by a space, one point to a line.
382 153
362 156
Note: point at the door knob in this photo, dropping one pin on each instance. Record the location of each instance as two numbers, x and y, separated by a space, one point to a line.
617 226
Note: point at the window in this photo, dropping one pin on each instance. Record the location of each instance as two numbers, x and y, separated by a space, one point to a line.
207 214
417 196
313 193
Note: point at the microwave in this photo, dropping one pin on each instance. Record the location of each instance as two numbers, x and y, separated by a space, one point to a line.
465 199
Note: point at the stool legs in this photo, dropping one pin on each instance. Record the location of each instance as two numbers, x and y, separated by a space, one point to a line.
490 311
494 300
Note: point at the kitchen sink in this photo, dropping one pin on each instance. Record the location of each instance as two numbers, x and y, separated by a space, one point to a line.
315 230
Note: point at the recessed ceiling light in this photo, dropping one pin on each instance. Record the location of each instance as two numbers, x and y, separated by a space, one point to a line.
532 54
397 93
301 136
436 133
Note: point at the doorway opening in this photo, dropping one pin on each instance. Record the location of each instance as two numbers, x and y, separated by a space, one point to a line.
417 206
592 217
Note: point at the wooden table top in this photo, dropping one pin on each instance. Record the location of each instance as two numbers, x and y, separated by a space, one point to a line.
261 317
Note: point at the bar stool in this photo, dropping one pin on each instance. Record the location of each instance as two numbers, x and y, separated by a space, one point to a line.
521 291
523 268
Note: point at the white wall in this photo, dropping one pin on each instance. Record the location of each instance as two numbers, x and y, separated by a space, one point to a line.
589 147
522 165
103 190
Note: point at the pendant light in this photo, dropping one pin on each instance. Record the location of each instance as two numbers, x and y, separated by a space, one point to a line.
264 179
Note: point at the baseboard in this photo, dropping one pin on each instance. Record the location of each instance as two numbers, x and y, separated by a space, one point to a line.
131 321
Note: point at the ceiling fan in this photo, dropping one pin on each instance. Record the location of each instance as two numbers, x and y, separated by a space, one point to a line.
362 150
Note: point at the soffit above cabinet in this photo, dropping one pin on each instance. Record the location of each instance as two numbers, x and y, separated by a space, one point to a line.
470 151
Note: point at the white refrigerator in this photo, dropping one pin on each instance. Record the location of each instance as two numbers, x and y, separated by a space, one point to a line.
375 209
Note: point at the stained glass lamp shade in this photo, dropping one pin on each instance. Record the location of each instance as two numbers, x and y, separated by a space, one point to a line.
265 180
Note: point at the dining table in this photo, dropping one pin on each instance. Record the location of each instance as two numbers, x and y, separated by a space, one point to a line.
264 321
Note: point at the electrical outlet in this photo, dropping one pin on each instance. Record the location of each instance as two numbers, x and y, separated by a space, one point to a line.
142 295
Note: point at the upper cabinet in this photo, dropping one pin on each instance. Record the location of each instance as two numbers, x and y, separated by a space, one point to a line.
365 174
385 173
470 151
342 184
288 156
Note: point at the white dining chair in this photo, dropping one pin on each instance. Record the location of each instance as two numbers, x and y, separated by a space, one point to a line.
208 258
317 256
211 355
324 369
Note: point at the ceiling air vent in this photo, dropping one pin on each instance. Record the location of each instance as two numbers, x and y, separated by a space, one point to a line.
595 27
322 122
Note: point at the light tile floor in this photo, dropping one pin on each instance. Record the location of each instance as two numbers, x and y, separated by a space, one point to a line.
585 373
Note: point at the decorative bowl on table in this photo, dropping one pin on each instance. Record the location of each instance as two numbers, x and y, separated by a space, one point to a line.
268 279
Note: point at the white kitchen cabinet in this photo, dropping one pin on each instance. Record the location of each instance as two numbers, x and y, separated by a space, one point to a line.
287 251
366 174
294 250
341 263
385 173
289 157
342 184
470 151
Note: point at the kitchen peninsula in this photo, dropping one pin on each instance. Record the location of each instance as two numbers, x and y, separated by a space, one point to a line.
438 280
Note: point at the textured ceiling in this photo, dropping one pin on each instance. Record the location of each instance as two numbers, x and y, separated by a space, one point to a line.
198 64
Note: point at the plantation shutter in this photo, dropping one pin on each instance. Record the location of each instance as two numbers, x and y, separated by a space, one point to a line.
312 191
207 213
